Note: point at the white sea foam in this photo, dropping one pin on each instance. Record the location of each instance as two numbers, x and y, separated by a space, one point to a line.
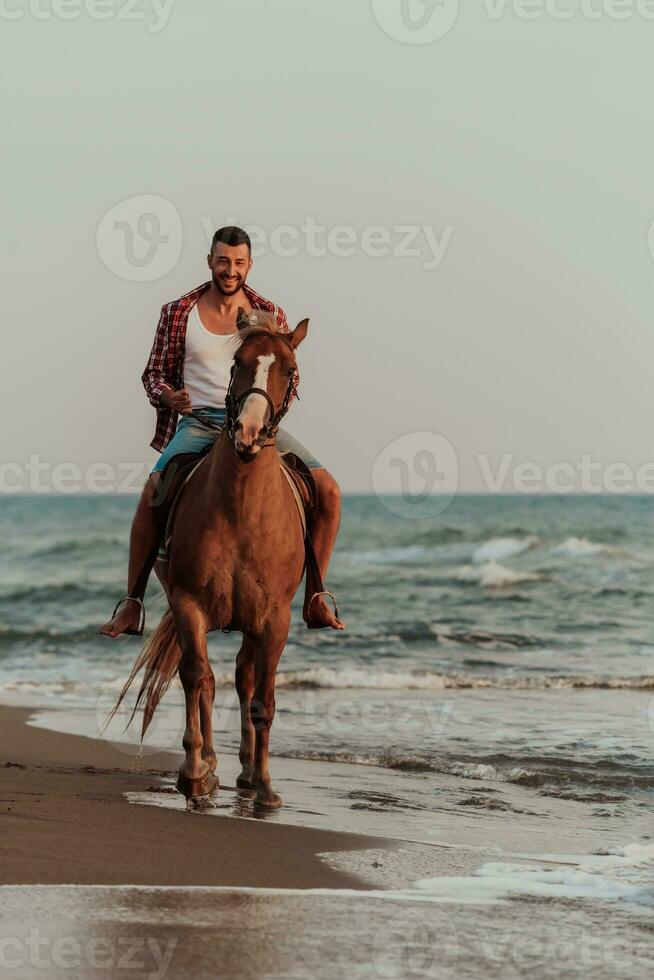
492 575
390 556
630 854
499 548
495 882
473 770
329 678
581 548
326 677
613 874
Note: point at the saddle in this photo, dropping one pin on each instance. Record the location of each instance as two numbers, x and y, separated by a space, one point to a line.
181 469
175 478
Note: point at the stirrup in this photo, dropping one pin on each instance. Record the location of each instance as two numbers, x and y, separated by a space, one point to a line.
141 627
315 596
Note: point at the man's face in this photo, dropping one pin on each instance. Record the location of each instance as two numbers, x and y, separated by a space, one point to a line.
229 266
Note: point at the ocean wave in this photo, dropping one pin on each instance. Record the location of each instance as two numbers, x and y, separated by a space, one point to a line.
495 882
520 772
352 678
356 678
632 854
582 548
482 638
492 575
9 636
56 687
74 547
611 591
68 591
426 632
390 556
499 548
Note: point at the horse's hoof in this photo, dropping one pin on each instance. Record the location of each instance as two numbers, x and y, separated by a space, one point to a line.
193 788
244 782
268 801
200 803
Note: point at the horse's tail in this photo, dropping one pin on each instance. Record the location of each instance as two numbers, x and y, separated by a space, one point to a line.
160 659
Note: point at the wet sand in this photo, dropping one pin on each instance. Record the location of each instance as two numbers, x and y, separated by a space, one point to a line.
250 934
92 885
65 819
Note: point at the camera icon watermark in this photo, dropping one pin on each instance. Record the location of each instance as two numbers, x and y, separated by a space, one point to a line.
417 944
416 21
417 475
140 239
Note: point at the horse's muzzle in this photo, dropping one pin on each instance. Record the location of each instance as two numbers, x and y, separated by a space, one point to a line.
248 440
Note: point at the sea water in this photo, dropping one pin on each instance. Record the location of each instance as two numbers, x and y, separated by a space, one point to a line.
505 644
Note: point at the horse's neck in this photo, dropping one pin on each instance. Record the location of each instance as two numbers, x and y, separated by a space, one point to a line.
241 490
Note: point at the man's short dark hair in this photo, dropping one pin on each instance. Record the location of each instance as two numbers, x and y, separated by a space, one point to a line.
231 235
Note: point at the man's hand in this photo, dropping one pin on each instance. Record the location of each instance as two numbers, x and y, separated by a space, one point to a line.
179 401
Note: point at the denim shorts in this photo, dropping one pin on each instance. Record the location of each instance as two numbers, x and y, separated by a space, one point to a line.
193 437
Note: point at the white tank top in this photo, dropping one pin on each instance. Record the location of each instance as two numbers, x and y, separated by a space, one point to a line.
207 363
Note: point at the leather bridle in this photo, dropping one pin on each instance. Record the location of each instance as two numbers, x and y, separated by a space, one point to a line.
233 405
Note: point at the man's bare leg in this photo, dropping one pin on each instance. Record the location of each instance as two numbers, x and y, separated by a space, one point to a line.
323 527
143 540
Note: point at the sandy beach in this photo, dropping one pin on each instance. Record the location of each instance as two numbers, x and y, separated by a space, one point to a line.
410 243
91 882
66 820
467 778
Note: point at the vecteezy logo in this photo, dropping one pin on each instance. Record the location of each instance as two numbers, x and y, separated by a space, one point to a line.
416 475
140 239
416 21
416 944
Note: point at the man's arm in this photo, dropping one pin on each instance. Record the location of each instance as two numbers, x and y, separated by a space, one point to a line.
158 385
154 377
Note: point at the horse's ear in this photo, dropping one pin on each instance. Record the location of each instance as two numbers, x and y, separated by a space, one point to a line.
297 336
242 319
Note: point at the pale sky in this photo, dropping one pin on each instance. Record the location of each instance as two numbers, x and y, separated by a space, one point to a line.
524 147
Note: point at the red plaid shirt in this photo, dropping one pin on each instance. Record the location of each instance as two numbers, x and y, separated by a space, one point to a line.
165 367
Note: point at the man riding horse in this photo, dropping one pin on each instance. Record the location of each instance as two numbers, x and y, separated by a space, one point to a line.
188 375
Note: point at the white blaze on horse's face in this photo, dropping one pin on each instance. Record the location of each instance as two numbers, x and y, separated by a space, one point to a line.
252 417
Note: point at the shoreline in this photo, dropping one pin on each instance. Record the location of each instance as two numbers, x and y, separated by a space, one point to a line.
66 819
80 865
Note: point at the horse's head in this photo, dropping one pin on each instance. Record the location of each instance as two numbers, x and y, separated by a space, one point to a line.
264 377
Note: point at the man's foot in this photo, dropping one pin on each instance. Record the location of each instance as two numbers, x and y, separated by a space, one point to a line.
320 616
127 618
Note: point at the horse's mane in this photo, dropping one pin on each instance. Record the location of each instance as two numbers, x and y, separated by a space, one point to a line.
259 322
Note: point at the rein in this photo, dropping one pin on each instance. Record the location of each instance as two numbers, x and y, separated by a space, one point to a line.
207 423
232 409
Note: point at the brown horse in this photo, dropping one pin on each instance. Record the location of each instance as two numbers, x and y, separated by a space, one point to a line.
236 559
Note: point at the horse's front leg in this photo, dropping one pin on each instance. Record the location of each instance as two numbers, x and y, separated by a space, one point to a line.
196 776
269 649
244 679
207 698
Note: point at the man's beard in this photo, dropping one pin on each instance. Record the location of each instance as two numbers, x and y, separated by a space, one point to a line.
228 290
